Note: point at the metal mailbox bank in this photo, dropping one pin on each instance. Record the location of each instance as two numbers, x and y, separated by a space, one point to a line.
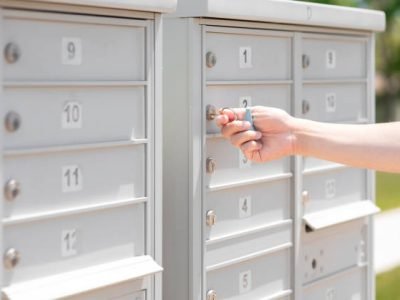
81 149
297 228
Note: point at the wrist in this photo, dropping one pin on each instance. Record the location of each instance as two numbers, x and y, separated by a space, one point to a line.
301 130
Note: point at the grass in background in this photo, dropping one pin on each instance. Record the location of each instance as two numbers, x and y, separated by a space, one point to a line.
388 192
387 285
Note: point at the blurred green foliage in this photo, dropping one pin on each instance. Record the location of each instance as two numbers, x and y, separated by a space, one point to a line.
387 190
387 285
387 54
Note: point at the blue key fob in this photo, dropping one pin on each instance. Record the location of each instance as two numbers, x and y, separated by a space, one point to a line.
249 118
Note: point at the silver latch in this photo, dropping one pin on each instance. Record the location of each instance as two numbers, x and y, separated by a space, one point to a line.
305 107
211 218
11 258
211 295
12 53
306 61
210 165
11 189
211 112
211 59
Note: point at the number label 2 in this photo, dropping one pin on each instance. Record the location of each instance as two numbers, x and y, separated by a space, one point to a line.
71 51
69 240
245 58
330 102
245 282
72 179
243 161
71 117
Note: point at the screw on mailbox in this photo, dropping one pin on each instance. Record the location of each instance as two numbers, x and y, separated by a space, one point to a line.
306 61
12 121
12 53
11 189
11 258
305 107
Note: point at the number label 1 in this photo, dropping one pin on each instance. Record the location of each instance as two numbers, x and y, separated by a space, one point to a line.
330 188
245 282
245 207
331 59
71 117
330 101
72 179
71 51
245 57
69 240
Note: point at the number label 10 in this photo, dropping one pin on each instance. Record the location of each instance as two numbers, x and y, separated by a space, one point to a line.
71 115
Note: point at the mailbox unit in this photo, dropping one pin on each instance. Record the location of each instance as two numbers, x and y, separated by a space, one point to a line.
81 149
296 228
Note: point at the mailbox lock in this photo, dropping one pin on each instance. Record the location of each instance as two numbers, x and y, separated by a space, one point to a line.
306 61
211 112
211 295
12 53
11 258
305 107
210 165
11 189
211 59
12 121
211 218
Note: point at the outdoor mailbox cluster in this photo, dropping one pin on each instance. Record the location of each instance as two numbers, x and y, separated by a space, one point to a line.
81 152
295 228
87 198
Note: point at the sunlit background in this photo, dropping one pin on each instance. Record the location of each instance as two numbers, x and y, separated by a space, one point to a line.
387 109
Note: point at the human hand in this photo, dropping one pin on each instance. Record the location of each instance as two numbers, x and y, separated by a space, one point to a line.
273 138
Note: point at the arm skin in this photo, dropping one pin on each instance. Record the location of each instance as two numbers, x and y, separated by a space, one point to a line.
372 146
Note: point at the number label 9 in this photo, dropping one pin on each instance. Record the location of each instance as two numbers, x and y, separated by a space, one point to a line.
71 51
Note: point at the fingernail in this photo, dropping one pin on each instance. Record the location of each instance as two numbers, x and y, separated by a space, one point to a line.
258 135
247 125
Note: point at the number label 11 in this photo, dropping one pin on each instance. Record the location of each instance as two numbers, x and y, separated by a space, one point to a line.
72 179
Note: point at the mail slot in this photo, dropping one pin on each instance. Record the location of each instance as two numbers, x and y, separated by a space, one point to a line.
74 180
250 280
61 116
247 55
332 250
231 166
334 188
70 48
350 284
334 102
334 57
251 207
221 96
50 246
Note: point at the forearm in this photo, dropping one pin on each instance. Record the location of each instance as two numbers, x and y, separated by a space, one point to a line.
374 146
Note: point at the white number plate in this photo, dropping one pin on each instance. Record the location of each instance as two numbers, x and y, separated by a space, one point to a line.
72 179
71 117
245 58
69 240
71 51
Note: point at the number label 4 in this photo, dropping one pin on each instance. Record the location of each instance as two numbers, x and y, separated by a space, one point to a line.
72 179
245 207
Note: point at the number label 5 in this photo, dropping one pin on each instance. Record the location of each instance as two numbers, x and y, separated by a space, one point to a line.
245 282
71 51
72 179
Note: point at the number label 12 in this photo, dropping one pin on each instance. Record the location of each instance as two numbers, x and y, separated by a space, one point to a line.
69 240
